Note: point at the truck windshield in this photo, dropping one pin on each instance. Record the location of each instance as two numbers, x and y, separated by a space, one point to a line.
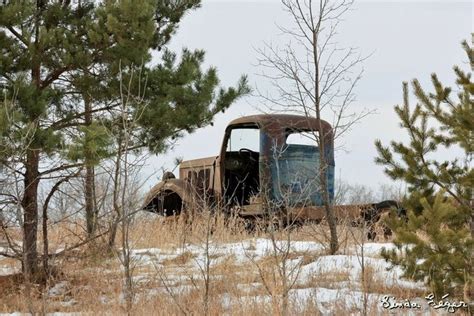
248 138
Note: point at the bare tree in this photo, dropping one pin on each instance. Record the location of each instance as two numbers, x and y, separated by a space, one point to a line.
349 193
313 76
207 212
360 241
125 176
281 274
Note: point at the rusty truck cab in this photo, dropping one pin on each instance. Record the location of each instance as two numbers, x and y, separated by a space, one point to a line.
281 165
257 163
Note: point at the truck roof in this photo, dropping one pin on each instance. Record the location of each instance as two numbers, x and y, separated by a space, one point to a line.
287 120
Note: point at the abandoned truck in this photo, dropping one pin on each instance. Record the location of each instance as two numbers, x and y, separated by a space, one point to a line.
267 159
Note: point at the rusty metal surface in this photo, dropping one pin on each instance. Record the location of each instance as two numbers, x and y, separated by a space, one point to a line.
277 164
176 185
275 128
286 120
198 163
312 212
295 176
340 211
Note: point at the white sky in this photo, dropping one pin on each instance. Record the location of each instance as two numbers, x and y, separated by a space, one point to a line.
409 40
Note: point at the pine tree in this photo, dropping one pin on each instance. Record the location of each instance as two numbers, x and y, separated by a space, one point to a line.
90 82
57 54
435 241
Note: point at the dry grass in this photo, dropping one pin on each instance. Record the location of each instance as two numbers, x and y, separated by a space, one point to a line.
330 280
181 259
375 284
91 280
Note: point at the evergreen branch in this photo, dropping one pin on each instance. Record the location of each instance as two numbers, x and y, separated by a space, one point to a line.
54 75
62 123
18 36
6 76
61 168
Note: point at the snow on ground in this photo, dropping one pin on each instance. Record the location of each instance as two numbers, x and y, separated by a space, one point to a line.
346 291
242 251
7 270
327 280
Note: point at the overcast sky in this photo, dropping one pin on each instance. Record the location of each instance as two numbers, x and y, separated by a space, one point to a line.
408 40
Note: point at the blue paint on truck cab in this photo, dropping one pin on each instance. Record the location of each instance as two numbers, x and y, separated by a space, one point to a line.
294 172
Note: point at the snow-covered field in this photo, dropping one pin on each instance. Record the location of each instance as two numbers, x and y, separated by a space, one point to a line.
332 283
342 274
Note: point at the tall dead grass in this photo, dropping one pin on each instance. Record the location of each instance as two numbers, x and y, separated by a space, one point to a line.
91 281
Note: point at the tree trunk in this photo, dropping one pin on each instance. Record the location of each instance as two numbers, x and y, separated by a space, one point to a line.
30 206
333 243
45 240
31 179
117 185
89 186
91 214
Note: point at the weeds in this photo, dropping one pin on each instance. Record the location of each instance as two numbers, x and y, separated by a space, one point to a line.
171 272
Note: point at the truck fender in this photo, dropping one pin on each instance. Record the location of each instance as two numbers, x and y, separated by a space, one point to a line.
168 197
